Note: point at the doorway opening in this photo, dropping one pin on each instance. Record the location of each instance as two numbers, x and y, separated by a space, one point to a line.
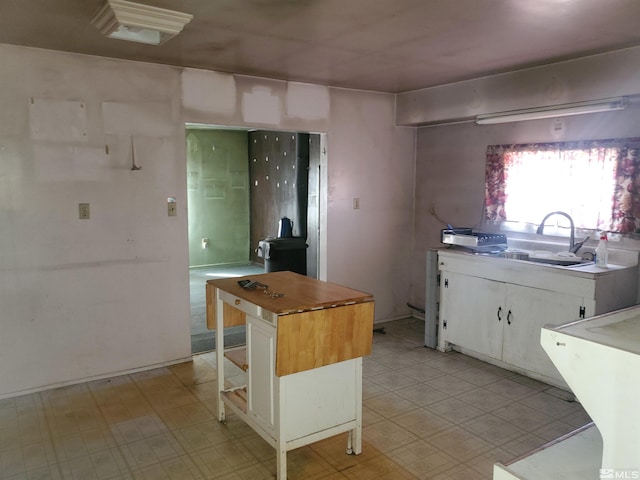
240 183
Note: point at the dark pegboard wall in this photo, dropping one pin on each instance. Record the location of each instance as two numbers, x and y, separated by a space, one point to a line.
279 183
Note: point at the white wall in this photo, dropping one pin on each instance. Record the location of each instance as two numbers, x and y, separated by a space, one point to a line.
372 160
81 299
84 298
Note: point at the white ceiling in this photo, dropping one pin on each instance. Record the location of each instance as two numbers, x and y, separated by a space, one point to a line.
380 45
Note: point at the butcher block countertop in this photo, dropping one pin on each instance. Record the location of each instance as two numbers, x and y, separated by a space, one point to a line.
301 293
317 323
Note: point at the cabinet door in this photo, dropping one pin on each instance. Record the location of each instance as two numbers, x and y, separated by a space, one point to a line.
472 311
528 310
261 372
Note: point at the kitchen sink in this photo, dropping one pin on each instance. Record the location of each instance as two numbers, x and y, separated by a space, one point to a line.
565 262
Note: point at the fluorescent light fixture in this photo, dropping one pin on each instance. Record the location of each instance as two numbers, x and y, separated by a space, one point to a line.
578 108
139 23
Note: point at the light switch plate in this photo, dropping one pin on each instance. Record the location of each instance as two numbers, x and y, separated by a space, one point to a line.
84 212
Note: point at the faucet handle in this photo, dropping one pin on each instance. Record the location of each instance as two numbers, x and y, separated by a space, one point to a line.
578 245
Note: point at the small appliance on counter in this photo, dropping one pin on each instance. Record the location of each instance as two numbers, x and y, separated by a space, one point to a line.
478 242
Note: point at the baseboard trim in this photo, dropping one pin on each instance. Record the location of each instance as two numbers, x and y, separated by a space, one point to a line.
94 377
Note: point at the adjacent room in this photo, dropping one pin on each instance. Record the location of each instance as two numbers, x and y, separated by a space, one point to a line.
454 184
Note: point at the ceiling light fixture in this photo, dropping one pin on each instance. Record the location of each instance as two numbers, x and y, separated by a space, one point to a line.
553 111
139 23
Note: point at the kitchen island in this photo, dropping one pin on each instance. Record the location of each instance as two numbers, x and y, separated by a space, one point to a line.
302 361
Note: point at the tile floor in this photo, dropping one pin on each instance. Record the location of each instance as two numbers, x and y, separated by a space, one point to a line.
427 415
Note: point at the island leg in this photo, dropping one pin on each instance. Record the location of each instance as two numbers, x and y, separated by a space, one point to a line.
220 355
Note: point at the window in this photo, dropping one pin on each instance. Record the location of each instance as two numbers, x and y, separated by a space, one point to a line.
597 183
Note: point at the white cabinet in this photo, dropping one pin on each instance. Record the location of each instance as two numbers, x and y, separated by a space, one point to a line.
261 355
528 310
494 308
472 310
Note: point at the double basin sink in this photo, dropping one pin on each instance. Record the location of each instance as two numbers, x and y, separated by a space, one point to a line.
564 259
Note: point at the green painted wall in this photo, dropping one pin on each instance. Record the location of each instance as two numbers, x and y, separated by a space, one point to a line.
218 196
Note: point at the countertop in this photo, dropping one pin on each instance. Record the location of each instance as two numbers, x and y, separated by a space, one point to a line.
301 293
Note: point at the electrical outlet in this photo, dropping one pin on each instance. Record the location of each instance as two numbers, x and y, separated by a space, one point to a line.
84 212
172 209
205 243
356 203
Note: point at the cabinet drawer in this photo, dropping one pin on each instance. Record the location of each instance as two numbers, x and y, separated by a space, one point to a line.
242 305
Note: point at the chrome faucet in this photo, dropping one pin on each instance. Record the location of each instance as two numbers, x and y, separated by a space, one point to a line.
573 247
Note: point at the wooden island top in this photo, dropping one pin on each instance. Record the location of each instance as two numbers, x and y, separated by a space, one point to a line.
301 293
318 323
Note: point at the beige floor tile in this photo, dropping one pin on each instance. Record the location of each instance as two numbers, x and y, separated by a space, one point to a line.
253 472
223 459
426 415
422 459
551 405
392 380
522 445
450 385
577 419
168 397
371 389
554 430
120 393
484 399
185 416
334 451
422 422
137 428
203 435
511 389
179 468
389 404
484 462
371 368
105 464
524 417
379 468
304 463
387 436
39 455
460 443
454 410
194 372
479 376
370 416
421 394
421 371
150 451
126 410
207 394
493 429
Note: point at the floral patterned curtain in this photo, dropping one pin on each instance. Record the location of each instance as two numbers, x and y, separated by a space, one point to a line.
625 204
626 201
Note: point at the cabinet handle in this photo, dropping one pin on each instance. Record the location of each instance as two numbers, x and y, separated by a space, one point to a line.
499 313
237 301
509 317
